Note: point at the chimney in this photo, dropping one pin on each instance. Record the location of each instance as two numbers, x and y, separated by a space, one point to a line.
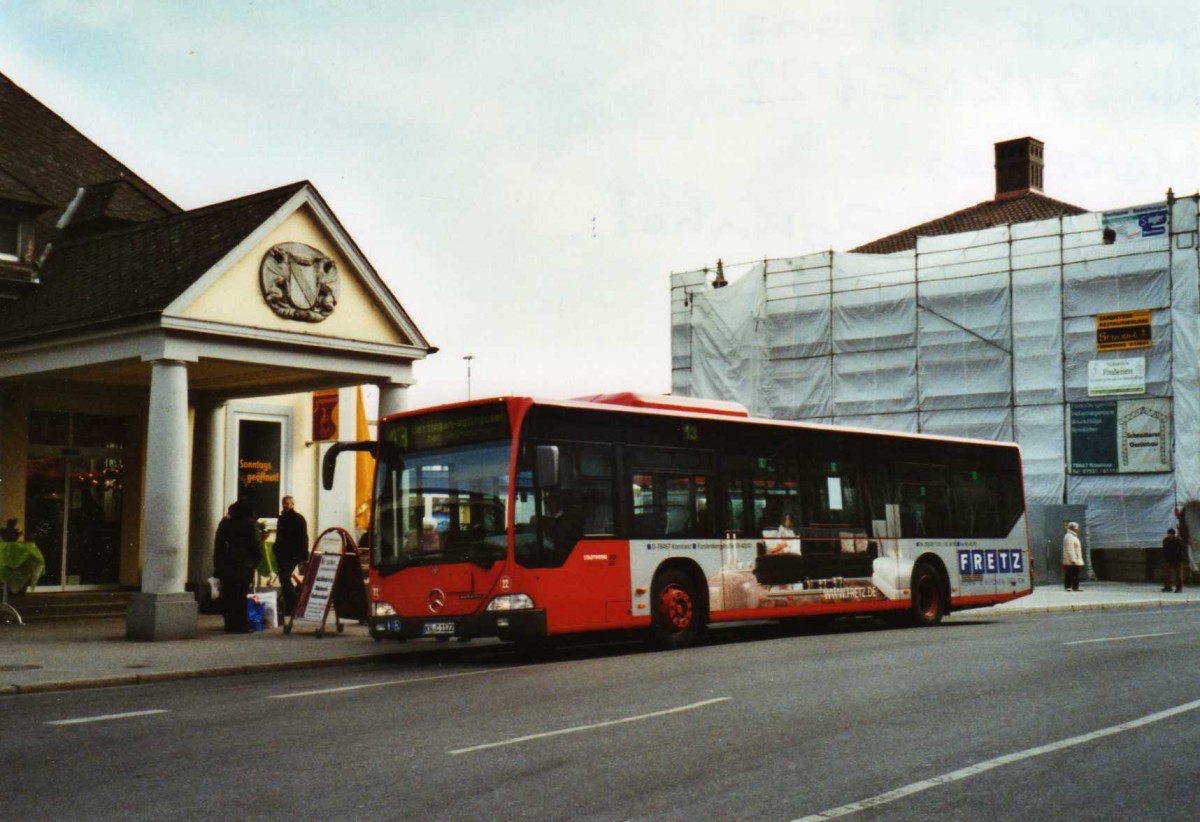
1019 166
719 281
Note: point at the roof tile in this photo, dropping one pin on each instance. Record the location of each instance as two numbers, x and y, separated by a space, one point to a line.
1027 206
135 271
48 157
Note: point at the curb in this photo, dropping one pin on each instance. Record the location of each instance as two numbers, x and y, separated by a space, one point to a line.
1093 606
199 673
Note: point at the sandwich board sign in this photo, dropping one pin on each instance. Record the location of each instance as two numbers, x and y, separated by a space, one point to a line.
333 577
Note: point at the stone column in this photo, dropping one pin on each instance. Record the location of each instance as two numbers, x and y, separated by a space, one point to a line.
393 398
208 483
162 610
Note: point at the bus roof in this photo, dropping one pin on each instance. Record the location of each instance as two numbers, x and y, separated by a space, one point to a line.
691 405
670 405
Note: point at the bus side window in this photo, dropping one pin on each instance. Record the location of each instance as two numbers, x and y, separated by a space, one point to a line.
735 473
595 497
776 489
874 487
976 502
667 505
924 499
835 496
580 505
671 493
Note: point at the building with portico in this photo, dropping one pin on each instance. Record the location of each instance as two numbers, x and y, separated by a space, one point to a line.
157 363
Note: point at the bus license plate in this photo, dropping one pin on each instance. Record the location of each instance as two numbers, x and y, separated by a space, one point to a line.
437 628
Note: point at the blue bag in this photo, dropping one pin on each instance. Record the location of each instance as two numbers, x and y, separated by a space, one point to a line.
254 614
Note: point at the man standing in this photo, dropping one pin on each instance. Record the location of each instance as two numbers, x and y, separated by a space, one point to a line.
237 552
1174 552
1072 550
291 549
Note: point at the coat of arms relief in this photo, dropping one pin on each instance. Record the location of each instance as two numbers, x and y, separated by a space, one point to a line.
299 282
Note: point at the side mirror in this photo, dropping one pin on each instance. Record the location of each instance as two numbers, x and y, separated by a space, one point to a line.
329 463
547 466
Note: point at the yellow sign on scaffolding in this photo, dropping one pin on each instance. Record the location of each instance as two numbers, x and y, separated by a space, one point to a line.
1123 330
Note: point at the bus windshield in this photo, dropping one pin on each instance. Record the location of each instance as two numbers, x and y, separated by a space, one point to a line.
440 506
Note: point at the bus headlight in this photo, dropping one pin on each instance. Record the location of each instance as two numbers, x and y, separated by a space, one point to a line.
510 602
382 609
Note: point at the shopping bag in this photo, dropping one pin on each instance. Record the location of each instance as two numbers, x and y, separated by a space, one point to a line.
254 613
270 603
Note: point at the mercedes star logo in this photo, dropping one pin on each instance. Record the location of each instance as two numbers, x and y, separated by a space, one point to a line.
437 600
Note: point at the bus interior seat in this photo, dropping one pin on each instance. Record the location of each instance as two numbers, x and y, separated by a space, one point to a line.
650 523
677 521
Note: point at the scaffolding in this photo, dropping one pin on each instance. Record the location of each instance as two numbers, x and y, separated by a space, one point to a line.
1058 335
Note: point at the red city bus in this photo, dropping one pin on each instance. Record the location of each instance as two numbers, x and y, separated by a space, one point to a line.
524 519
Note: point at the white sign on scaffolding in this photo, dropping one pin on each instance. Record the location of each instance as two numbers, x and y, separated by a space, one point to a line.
1108 378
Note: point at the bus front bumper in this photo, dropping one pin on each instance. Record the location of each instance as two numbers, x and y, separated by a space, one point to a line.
502 624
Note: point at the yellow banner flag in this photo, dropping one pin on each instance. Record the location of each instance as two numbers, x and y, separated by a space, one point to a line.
364 470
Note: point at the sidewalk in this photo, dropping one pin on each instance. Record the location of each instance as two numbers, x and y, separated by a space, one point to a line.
1094 596
92 653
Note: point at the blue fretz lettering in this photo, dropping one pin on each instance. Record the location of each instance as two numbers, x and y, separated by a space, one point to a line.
992 561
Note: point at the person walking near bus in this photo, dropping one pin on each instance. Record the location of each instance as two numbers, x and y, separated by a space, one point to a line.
291 549
1174 552
1072 557
235 558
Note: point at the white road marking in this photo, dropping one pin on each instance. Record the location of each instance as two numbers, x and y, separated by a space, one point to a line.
1119 638
1007 759
591 727
106 717
411 681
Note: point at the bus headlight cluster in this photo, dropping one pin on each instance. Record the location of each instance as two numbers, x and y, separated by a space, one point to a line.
511 602
382 609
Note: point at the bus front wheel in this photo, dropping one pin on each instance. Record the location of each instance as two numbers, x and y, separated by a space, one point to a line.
678 612
928 595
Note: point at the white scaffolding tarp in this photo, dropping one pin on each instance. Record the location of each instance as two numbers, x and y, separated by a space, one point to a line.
989 334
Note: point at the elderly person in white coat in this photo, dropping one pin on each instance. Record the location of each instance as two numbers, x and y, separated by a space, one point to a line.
1072 557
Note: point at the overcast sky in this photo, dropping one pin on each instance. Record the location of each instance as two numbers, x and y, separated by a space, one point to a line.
526 175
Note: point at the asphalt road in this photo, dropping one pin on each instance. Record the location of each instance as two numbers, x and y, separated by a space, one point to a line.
1091 715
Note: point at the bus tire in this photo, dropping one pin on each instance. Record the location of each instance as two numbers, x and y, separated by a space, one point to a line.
678 617
928 595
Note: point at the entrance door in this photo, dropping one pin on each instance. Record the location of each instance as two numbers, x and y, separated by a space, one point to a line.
74 483
73 513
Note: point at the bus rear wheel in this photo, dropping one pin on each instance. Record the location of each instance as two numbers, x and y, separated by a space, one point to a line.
678 615
928 595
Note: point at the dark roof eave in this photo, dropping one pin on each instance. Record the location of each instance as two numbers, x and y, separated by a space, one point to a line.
105 323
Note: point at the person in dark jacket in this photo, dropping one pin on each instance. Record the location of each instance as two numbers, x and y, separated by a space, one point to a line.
1174 555
291 549
236 555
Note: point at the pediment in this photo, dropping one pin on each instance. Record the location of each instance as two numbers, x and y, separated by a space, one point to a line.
299 273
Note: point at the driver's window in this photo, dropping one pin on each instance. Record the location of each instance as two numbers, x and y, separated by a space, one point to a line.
578 507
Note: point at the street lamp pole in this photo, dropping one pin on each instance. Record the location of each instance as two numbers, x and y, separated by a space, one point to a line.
468 358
